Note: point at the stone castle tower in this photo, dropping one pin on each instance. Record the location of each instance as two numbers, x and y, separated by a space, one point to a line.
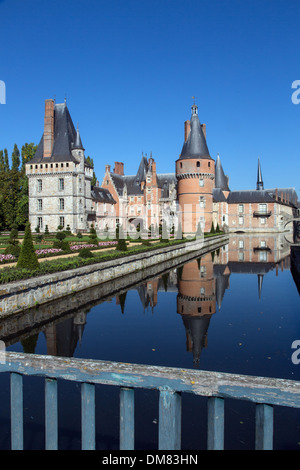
59 176
195 173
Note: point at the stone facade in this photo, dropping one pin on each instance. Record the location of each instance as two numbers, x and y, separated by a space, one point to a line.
146 198
60 191
196 196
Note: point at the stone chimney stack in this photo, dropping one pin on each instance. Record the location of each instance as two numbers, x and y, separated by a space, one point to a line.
48 128
119 168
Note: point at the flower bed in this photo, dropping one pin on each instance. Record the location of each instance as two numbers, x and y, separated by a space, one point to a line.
47 252
79 246
7 258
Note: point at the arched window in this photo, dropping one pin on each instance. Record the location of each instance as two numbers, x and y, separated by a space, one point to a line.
198 164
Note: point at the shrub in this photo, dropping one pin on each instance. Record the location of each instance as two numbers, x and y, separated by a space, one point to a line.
13 247
60 235
121 245
93 235
63 245
28 258
85 253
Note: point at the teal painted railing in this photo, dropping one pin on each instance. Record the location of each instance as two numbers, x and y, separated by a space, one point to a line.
170 382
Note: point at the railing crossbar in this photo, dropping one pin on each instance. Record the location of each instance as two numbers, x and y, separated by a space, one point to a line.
170 382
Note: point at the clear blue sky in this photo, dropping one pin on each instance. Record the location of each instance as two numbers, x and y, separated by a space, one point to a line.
129 69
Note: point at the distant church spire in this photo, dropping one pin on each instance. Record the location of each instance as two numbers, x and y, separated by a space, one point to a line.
259 183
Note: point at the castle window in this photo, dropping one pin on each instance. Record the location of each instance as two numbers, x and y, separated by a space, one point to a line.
40 204
241 208
31 167
56 165
263 208
208 164
39 185
61 184
241 220
51 166
180 164
41 166
40 222
36 167
61 204
198 164
201 182
263 220
202 201
46 165
67 164
62 165
62 222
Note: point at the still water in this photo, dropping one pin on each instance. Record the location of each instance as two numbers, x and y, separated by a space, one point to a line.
235 309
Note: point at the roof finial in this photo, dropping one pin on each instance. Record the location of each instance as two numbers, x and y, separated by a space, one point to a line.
194 107
65 98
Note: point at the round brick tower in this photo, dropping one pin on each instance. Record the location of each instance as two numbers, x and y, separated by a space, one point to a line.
195 173
196 301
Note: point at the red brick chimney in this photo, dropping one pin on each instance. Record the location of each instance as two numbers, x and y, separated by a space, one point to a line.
48 128
187 128
119 168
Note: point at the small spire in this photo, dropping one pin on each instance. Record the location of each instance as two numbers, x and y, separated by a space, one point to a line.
78 143
259 183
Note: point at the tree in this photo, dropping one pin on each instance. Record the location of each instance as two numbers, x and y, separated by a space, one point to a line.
93 239
121 245
28 258
91 162
13 246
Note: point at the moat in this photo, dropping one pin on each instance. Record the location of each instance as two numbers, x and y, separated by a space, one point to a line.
235 309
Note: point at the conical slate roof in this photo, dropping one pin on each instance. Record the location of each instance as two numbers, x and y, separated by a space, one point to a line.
195 145
65 138
78 143
221 181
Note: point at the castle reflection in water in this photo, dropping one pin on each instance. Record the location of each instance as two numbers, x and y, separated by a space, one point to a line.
200 285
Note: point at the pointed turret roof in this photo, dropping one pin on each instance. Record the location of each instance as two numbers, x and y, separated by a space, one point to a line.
195 145
221 181
78 143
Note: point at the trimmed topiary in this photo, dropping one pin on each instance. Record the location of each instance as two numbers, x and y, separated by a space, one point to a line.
28 258
85 253
121 246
